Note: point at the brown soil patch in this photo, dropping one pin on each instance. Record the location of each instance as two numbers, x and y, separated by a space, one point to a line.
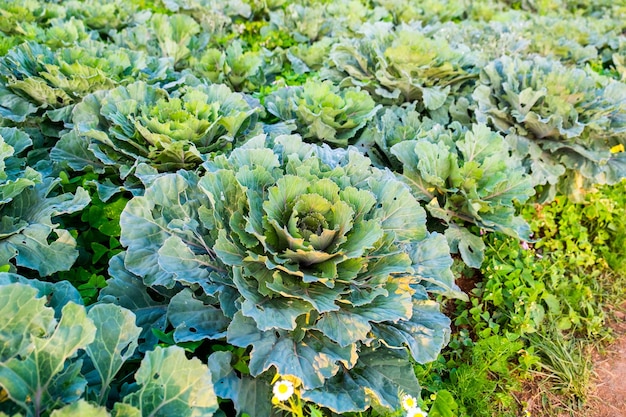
608 398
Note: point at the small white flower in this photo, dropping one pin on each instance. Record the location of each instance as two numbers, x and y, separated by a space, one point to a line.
416 412
409 402
283 390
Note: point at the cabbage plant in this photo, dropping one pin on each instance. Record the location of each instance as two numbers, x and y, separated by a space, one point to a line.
323 112
29 201
402 64
164 36
321 263
566 123
464 176
138 123
37 80
237 66
57 356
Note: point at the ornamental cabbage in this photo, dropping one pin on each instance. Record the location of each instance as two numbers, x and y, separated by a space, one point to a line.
401 64
463 176
125 126
242 70
36 79
162 36
563 121
321 262
324 112
105 15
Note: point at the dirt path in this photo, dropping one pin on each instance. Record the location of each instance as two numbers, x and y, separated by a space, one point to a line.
609 398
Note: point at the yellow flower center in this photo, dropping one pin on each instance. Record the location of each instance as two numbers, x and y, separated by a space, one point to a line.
283 388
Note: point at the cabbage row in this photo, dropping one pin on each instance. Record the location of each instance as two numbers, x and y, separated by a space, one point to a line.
292 181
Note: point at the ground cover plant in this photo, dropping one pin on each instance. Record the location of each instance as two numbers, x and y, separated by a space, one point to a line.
307 208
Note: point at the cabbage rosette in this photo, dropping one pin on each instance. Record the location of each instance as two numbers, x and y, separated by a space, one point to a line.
566 123
321 262
324 112
138 123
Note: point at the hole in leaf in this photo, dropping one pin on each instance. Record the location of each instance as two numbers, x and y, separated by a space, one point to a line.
193 330
124 351
156 376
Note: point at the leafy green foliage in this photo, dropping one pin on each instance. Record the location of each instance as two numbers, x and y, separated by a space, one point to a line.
97 230
163 36
104 15
40 370
170 384
323 112
464 177
37 79
33 372
242 70
560 120
283 259
401 65
140 123
115 342
292 229
29 203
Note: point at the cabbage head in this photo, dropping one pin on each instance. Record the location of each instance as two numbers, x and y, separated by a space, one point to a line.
142 123
321 262
324 112
566 123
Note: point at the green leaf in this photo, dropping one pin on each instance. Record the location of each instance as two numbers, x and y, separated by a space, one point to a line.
385 374
268 313
193 320
115 342
177 258
398 211
35 246
432 261
319 296
378 377
342 393
313 359
73 150
129 291
126 410
425 334
148 222
37 376
344 327
57 294
170 384
19 304
444 405
470 246
435 97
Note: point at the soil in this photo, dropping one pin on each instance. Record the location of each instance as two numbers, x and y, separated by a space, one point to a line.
608 398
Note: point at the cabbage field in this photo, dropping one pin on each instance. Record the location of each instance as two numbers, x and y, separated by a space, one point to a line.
308 208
